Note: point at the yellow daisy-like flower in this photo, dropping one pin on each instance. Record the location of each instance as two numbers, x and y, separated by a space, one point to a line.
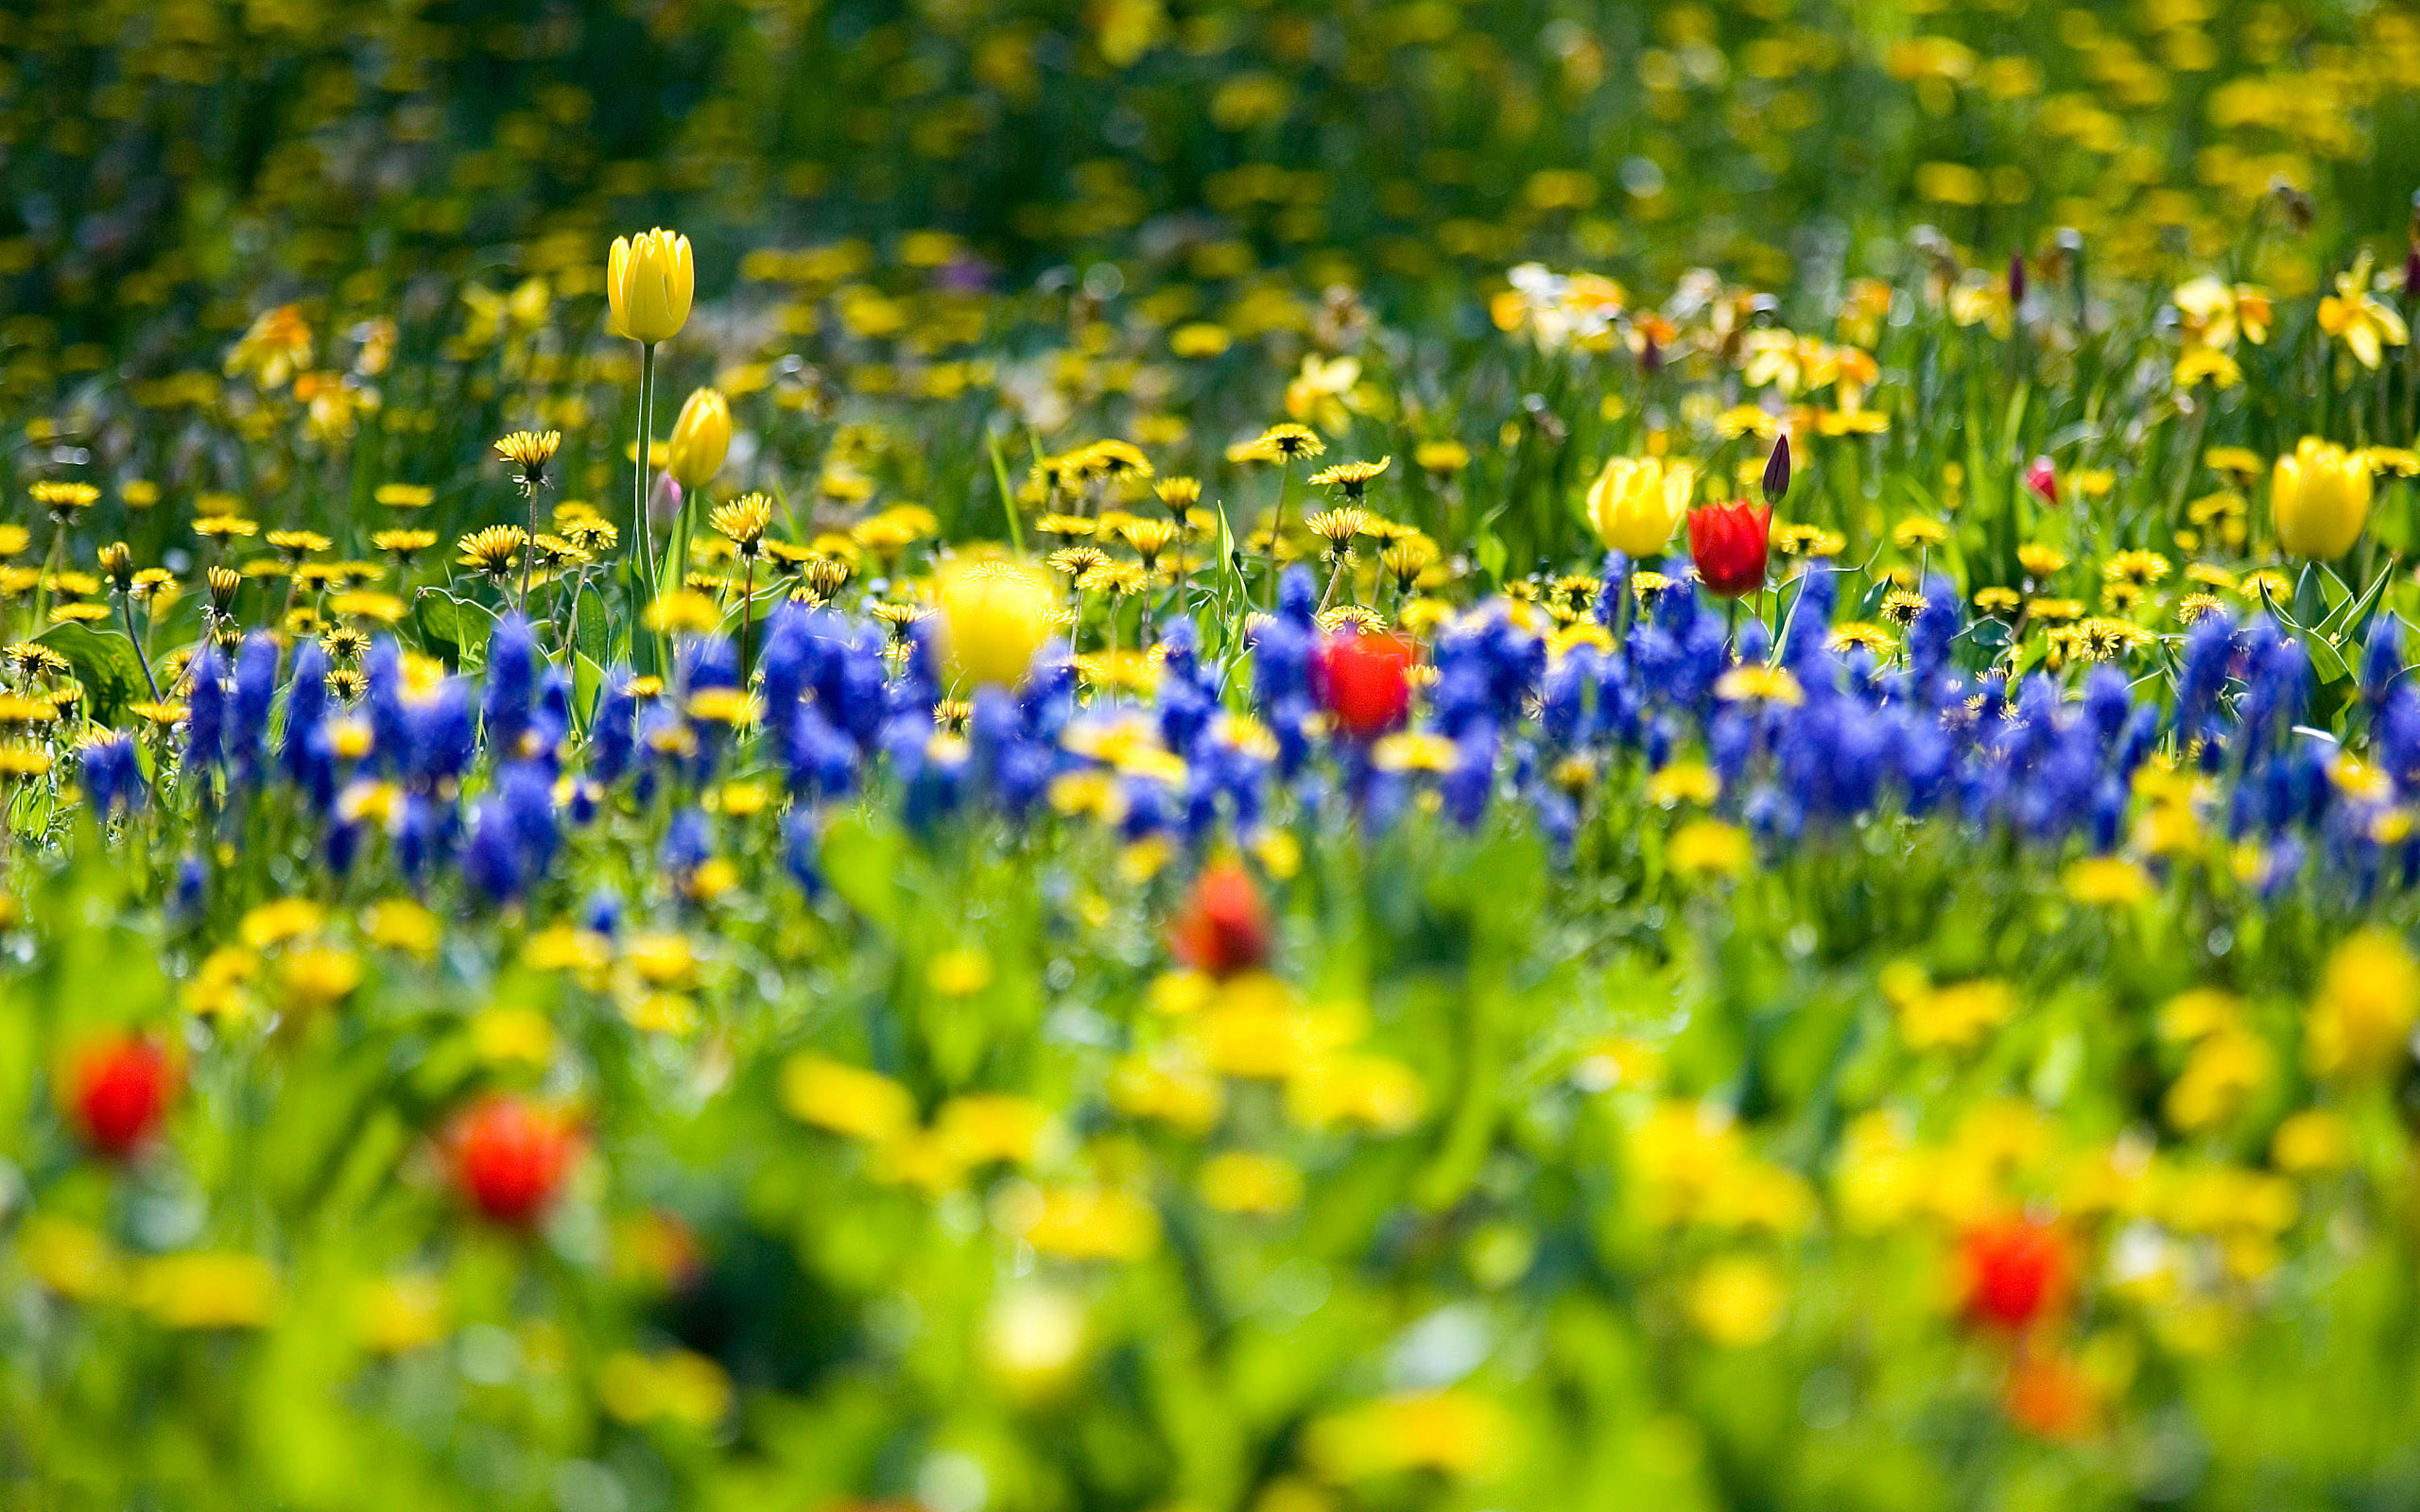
529 451
1281 442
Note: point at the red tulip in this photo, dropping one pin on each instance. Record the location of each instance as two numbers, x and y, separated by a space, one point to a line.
510 1158
1223 928
118 1090
2016 1272
1364 682
2043 479
1729 543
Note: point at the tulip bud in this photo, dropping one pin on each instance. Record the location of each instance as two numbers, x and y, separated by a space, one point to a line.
510 1159
2017 281
1223 928
2043 480
649 282
118 1088
1777 470
701 439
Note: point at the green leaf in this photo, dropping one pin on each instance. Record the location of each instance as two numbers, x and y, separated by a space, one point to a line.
105 664
2310 597
460 627
590 628
587 681
861 862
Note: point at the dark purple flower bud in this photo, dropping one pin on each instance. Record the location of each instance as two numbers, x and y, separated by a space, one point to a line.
2015 279
1777 470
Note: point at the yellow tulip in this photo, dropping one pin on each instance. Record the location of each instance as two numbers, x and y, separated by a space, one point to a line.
2321 499
1636 503
994 615
701 437
649 282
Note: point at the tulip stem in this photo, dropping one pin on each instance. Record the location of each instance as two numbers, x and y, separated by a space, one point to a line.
642 550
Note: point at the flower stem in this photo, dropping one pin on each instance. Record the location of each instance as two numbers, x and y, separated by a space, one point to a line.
1277 530
142 658
641 549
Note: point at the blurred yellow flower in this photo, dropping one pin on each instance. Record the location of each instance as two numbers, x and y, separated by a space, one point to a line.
845 1099
994 615
2360 1019
400 1314
1456 1432
1248 1182
207 1289
1709 848
2111 881
1738 1300
2352 315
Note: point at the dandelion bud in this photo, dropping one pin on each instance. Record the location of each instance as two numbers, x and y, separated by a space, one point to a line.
116 562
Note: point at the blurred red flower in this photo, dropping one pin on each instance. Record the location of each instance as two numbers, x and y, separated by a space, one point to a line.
2016 1272
1223 927
2043 479
510 1158
1364 682
2046 1395
118 1089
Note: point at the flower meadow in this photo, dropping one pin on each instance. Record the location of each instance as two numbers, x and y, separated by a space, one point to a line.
1181 755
